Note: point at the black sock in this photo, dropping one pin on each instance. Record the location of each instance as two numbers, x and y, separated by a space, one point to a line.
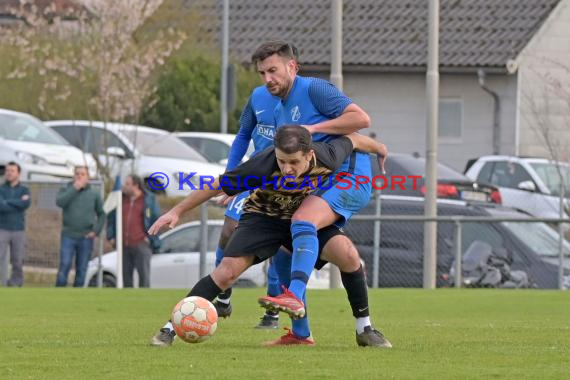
205 288
226 294
357 292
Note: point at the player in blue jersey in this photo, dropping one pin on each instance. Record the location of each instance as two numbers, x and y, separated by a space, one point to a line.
257 124
265 226
324 111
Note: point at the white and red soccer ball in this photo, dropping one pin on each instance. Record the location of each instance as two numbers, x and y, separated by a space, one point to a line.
194 319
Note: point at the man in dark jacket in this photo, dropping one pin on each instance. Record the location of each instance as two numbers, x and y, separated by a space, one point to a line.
140 211
83 219
14 200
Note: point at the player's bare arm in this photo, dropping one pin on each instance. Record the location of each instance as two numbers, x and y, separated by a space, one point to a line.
369 145
351 120
193 200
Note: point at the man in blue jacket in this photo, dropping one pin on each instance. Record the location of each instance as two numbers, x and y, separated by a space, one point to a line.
14 200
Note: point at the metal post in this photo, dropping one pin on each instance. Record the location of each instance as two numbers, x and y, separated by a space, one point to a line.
203 239
336 44
458 254
561 237
432 92
337 80
224 79
119 243
377 225
101 243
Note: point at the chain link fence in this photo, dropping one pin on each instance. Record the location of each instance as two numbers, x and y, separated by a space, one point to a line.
495 241
532 247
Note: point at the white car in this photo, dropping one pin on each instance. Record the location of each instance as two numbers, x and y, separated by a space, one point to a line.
140 150
177 264
214 146
530 185
42 154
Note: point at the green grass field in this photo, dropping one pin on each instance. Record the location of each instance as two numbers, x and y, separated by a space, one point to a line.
86 334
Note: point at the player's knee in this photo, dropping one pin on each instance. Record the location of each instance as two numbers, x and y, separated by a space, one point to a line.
226 274
341 252
351 263
304 216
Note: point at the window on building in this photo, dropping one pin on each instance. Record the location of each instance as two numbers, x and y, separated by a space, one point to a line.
450 119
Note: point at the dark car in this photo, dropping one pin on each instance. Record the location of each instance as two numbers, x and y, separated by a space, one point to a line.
401 243
450 183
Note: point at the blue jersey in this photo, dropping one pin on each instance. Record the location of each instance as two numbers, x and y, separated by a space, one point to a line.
257 124
312 101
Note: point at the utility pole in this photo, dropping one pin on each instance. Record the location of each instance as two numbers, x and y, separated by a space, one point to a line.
432 96
337 80
224 79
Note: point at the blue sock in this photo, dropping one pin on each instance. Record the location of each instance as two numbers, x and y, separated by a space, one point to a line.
273 285
301 326
219 255
305 254
282 265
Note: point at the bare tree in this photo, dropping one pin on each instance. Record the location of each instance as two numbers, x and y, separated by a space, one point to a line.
103 51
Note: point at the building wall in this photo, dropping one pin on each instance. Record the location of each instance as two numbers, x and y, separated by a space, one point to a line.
397 106
544 69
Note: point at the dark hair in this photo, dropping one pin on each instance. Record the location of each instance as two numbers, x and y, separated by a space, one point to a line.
137 181
292 138
77 167
12 163
281 48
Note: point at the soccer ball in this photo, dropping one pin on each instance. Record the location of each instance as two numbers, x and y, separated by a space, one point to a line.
194 319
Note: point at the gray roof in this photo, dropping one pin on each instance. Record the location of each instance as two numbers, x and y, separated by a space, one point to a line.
383 33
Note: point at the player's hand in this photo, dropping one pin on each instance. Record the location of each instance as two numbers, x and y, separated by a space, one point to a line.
224 199
308 128
381 156
170 218
91 235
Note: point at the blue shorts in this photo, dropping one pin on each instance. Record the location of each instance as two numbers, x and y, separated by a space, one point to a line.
235 207
349 199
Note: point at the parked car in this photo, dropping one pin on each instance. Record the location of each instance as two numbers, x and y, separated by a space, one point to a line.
138 149
42 153
214 146
177 263
531 185
533 246
450 183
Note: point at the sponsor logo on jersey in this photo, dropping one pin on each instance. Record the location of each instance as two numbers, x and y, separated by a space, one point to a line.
295 114
266 131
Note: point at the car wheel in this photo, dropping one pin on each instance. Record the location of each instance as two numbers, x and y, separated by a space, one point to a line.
109 281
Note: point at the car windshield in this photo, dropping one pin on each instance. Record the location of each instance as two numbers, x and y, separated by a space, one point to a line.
541 238
549 175
162 145
28 129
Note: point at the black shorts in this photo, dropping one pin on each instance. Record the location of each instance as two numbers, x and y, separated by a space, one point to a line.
261 236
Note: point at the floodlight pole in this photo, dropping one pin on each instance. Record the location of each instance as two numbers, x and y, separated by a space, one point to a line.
224 68
432 96
337 80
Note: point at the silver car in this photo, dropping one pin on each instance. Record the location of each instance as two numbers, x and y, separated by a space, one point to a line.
177 264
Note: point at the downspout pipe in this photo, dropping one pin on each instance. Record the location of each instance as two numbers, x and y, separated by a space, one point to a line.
496 111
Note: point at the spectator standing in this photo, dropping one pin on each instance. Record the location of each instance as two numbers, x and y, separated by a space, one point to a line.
14 200
83 219
139 210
